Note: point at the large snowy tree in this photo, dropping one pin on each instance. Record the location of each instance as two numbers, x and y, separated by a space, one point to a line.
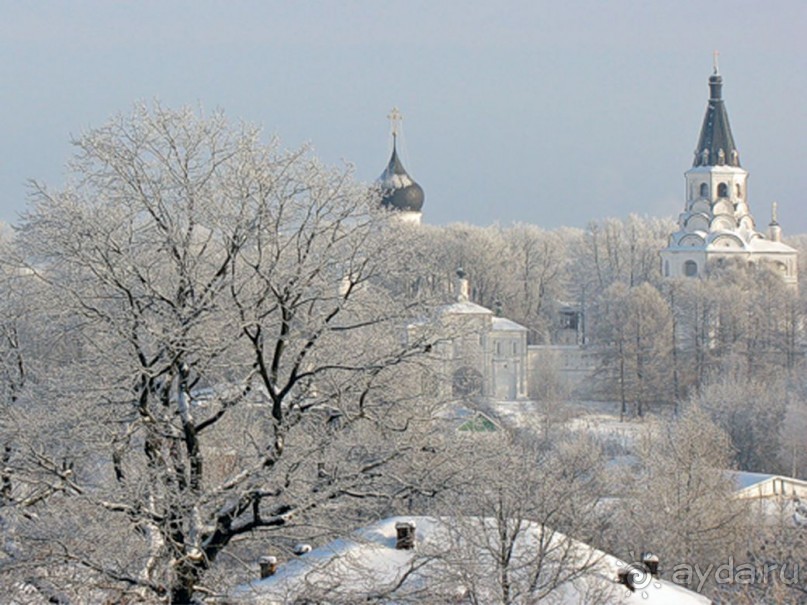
230 364
513 535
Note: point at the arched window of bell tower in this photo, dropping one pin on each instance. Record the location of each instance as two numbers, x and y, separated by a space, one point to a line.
722 190
704 190
739 190
690 268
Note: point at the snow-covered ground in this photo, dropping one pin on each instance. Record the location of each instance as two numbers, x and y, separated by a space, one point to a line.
597 418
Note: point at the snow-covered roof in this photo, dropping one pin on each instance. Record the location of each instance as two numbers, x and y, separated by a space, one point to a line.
463 418
760 244
368 563
744 479
764 486
465 307
502 324
714 241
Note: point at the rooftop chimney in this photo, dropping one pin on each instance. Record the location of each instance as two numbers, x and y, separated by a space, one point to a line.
406 535
651 563
625 576
268 566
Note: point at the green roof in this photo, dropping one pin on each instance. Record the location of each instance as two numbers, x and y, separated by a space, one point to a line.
478 424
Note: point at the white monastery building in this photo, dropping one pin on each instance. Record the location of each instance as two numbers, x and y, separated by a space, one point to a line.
717 226
486 354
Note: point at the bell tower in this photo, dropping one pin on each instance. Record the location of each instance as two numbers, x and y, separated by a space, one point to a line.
716 224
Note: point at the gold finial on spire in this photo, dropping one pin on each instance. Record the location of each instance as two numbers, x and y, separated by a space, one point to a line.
715 55
395 118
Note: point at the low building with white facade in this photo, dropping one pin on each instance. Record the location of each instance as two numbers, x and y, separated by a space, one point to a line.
763 486
481 354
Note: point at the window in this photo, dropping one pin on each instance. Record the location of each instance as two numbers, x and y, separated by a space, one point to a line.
722 190
467 382
704 190
690 268
569 320
739 190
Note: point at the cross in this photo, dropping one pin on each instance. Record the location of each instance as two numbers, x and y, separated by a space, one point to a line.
773 212
715 54
395 118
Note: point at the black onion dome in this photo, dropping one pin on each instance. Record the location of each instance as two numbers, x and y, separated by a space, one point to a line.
716 144
399 190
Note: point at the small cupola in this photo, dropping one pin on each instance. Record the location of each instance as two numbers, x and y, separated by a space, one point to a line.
399 191
774 229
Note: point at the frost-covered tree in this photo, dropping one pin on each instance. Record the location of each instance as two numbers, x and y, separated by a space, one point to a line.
13 369
792 454
514 534
620 251
232 365
771 571
521 269
678 503
536 277
635 342
751 412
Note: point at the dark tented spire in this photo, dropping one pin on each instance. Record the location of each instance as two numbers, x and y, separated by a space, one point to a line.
716 144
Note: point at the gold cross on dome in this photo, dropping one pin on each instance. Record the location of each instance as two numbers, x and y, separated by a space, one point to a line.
395 118
715 55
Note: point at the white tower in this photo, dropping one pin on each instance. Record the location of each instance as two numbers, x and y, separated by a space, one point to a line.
716 224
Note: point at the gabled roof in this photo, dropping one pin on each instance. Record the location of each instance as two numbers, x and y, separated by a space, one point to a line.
465 307
479 423
753 483
502 324
716 144
744 479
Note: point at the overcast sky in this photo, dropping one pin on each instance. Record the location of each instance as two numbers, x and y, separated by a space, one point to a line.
546 112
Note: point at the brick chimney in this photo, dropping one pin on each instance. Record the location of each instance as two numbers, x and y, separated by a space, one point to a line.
268 566
406 535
